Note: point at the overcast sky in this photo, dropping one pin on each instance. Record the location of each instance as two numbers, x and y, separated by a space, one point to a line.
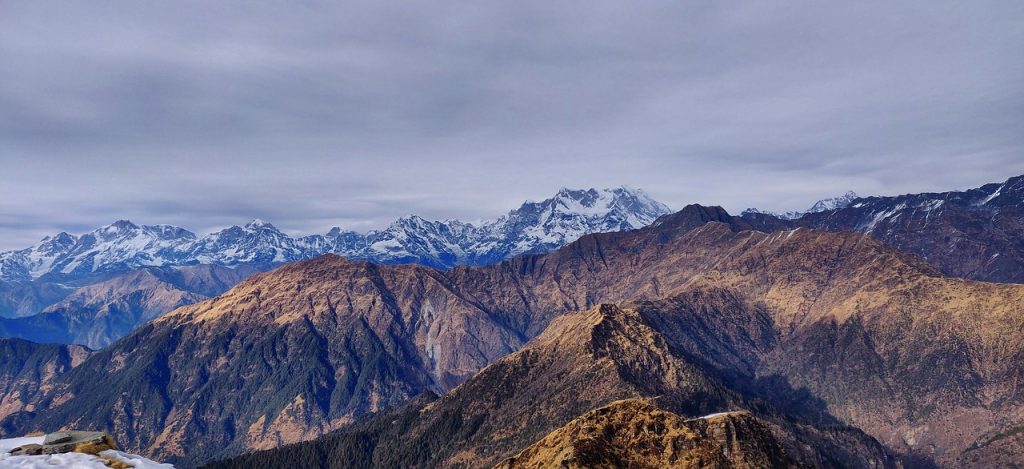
315 114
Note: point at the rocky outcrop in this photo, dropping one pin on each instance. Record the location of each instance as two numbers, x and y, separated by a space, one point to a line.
635 433
68 442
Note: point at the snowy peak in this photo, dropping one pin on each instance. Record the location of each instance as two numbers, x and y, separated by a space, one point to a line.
833 203
593 202
534 227
822 205
790 215
257 224
121 226
542 226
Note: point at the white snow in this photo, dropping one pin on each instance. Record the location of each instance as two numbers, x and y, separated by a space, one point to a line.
994 195
534 227
716 414
882 215
67 460
932 205
822 205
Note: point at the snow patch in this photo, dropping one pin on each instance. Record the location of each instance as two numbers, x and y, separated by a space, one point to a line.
994 195
69 460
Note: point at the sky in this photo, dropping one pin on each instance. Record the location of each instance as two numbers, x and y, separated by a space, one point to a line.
316 114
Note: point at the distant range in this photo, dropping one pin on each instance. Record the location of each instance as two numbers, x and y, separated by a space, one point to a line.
535 227
94 288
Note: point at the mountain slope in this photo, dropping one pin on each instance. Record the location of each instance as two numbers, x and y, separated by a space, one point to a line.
20 299
98 314
584 360
27 370
976 234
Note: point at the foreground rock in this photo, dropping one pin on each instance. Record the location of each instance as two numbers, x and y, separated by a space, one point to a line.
72 449
68 442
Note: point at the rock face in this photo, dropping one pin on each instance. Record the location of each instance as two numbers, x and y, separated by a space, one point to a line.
98 314
832 328
67 442
634 433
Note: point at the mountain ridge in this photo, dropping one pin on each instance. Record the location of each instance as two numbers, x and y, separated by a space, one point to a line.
98 314
331 339
534 227
976 234
822 205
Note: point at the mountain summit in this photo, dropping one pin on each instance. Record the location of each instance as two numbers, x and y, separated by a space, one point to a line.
535 227
823 205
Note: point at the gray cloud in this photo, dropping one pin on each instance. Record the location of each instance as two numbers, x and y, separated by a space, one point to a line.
314 114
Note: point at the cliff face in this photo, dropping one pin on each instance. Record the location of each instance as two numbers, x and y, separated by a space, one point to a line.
831 327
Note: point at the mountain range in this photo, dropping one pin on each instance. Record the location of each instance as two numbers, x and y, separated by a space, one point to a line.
823 205
534 227
839 342
973 234
98 314
867 335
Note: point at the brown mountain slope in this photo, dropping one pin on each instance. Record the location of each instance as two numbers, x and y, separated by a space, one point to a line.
27 370
582 361
301 350
924 363
634 433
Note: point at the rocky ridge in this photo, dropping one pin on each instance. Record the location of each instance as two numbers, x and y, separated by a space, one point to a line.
635 433
976 234
585 360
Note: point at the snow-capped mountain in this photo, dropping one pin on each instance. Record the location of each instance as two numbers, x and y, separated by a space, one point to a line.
533 228
833 203
975 233
109 248
822 205
543 226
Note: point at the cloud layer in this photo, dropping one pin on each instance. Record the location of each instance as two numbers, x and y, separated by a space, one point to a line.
314 114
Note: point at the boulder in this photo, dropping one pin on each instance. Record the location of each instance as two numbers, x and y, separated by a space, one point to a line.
67 442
